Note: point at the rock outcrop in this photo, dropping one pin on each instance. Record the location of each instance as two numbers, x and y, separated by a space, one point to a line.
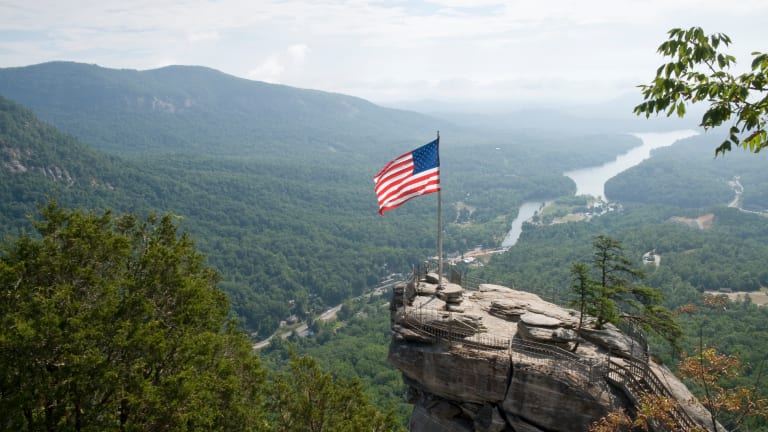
500 360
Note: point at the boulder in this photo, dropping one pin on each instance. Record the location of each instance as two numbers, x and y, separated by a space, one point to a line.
520 425
401 333
557 336
539 320
554 402
470 409
450 293
432 278
614 340
442 409
426 289
563 335
507 309
452 375
422 420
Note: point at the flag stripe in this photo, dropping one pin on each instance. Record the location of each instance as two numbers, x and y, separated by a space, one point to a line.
394 203
408 176
408 185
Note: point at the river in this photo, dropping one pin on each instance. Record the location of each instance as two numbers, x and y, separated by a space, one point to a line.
591 180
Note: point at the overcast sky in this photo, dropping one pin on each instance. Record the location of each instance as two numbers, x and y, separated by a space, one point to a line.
384 51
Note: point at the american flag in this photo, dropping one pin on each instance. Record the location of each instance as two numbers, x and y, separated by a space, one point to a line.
413 174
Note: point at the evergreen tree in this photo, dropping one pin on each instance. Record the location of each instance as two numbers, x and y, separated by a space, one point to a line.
308 399
615 294
584 288
116 324
615 277
110 323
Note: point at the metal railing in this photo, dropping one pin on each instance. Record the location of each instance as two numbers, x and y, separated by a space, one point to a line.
637 335
442 326
454 276
560 360
637 379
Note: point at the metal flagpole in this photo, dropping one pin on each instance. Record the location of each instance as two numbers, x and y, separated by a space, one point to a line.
439 229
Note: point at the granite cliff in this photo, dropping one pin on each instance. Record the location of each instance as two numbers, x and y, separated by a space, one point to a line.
495 359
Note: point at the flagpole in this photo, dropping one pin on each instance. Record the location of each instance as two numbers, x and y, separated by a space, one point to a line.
439 232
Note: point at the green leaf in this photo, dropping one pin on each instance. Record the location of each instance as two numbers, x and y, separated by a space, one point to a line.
681 109
723 148
700 74
760 61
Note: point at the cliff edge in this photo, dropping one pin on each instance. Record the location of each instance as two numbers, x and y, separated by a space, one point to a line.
495 359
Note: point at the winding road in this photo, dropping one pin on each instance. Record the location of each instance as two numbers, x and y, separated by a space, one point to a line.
303 329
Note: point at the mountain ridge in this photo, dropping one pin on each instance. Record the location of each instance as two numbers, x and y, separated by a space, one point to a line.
116 109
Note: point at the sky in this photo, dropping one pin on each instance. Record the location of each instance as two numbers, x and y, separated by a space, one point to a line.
535 52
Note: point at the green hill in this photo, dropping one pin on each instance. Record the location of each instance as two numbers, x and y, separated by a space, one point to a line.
272 237
37 162
189 109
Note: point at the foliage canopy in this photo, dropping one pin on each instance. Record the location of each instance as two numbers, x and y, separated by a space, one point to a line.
116 323
112 323
698 71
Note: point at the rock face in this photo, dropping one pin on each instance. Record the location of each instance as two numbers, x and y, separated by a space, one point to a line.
501 360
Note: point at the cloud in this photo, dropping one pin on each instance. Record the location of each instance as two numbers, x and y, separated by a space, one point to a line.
203 36
408 49
275 67
269 70
297 53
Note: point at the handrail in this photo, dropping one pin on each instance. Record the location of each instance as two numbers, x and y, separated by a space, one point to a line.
560 359
454 276
637 378
429 322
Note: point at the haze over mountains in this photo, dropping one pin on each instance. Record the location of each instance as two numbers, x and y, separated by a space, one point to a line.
193 109
274 182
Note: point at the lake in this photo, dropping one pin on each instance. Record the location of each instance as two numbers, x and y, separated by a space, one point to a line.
591 180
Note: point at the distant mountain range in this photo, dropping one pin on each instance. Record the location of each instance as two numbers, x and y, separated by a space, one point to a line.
190 109
614 116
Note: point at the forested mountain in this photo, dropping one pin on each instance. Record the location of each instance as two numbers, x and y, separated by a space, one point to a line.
685 175
274 183
37 163
189 109
279 249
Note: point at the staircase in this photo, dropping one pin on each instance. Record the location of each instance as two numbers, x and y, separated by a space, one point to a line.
636 379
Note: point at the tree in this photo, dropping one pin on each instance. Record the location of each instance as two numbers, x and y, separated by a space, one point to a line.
711 371
614 295
615 274
111 323
307 399
653 412
584 288
614 421
699 72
